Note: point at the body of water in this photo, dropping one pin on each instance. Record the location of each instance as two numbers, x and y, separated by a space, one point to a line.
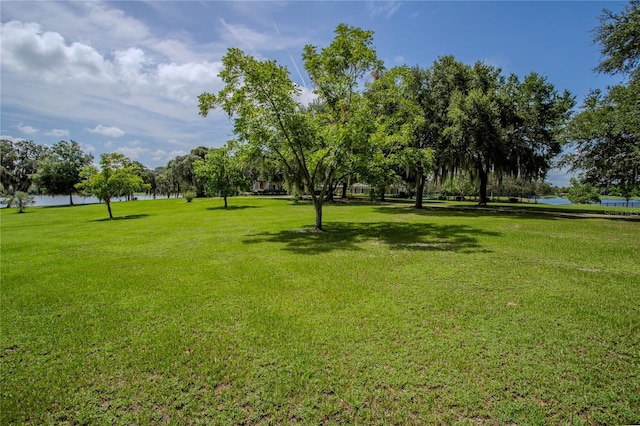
63 200
606 202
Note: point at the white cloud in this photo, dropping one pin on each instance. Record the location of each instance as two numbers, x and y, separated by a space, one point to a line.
385 8
113 21
247 38
130 65
27 49
59 133
133 152
162 156
306 96
88 147
26 129
86 22
184 82
113 132
10 138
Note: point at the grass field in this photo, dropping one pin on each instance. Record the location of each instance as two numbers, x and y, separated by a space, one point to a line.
187 313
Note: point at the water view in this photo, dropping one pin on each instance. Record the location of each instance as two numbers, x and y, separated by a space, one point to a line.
607 202
63 200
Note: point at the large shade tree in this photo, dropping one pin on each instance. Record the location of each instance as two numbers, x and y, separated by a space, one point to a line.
606 139
18 164
619 38
404 130
312 144
606 133
502 125
475 115
534 119
59 170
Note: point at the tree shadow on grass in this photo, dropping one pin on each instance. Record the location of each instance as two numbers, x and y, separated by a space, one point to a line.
518 212
230 208
128 217
394 235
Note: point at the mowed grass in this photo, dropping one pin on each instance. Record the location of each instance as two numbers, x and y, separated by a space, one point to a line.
187 313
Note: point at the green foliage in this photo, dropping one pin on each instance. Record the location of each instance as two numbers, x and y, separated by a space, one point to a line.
21 200
403 136
606 138
619 39
189 196
221 173
117 176
506 126
18 164
312 144
59 170
582 192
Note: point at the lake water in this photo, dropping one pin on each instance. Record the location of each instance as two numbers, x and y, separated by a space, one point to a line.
560 201
63 200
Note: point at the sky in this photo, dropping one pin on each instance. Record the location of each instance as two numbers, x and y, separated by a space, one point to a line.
125 76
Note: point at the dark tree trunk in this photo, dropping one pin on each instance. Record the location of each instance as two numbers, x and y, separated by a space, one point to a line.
109 209
419 188
317 204
483 186
225 201
70 199
344 190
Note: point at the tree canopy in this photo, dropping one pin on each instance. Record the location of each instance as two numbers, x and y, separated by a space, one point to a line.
311 143
59 170
606 137
619 38
18 164
221 172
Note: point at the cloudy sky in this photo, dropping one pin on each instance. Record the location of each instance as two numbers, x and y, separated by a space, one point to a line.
125 76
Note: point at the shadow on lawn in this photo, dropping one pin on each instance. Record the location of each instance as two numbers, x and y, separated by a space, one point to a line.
230 208
502 211
395 235
128 217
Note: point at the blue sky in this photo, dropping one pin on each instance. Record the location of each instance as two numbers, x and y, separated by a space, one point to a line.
124 76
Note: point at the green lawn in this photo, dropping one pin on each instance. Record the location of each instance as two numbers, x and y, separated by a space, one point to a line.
180 312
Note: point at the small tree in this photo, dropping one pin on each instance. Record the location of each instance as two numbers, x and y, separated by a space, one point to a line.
222 173
21 200
117 176
582 193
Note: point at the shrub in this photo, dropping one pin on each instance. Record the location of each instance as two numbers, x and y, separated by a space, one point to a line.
21 200
582 193
189 195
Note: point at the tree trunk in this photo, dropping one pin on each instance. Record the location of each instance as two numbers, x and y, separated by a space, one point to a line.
225 201
344 190
483 186
70 199
109 208
317 204
419 188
